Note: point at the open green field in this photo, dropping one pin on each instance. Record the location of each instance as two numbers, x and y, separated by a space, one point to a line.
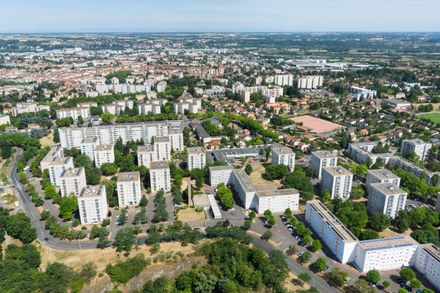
434 117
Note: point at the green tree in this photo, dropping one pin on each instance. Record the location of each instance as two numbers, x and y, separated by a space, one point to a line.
336 277
304 278
362 286
378 222
109 169
316 245
252 215
320 265
125 240
88 272
373 276
107 117
141 216
274 172
267 235
305 257
415 284
248 169
143 202
407 274
123 217
19 226
225 195
68 206
386 284
247 224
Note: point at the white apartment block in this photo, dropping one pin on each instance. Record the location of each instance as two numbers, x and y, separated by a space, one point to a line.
399 162
219 174
129 189
160 177
427 262
56 152
338 181
322 159
84 112
88 146
417 146
192 105
361 151
271 94
196 158
282 155
161 86
73 181
57 167
382 176
104 154
150 107
284 80
386 198
72 136
146 155
176 138
162 148
362 94
385 254
332 232
310 82
92 205
28 107
277 201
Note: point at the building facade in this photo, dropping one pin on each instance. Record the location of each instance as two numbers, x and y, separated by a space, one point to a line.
338 181
104 154
386 198
418 146
282 155
73 181
196 158
160 177
129 189
322 159
92 205
57 167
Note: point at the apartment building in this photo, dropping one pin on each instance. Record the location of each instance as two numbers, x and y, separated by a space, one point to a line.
427 262
88 146
152 106
332 232
72 136
322 159
128 186
28 107
338 181
382 176
277 200
146 155
385 254
92 205
84 112
196 158
284 79
399 162
57 167
418 146
56 152
188 104
282 155
104 154
361 151
73 181
362 93
219 174
160 177
162 148
386 198
310 82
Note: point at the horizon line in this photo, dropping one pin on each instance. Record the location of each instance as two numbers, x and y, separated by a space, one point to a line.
220 32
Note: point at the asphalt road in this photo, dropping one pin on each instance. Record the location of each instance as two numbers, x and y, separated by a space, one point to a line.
45 238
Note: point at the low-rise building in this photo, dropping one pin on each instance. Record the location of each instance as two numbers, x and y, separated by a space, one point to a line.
160 177
338 181
73 181
386 198
322 159
129 189
92 205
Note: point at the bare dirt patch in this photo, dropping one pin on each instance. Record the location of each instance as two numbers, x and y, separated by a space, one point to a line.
257 178
291 284
47 140
190 214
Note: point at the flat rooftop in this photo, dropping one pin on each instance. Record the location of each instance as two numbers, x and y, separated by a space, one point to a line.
161 139
387 188
415 141
383 174
433 250
195 150
159 165
384 243
145 148
73 172
280 149
278 192
93 191
316 125
325 154
244 180
128 176
228 155
332 221
61 161
104 147
89 140
220 168
337 171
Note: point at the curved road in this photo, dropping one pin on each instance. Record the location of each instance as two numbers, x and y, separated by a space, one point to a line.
45 238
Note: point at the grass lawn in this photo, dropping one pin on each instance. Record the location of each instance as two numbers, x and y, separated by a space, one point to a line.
434 117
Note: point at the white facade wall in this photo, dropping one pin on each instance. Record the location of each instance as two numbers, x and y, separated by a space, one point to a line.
145 155
162 148
88 148
322 159
277 202
160 177
104 154
418 146
337 183
386 198
92 205
196 158
73 181
57 167
129 189
220 174
84 112
283 156
428 263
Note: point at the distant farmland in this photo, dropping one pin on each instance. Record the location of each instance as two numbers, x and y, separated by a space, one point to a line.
434 117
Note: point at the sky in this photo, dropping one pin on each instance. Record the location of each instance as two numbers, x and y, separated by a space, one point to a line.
32 16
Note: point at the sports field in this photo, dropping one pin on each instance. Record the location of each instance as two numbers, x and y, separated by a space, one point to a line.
434 117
